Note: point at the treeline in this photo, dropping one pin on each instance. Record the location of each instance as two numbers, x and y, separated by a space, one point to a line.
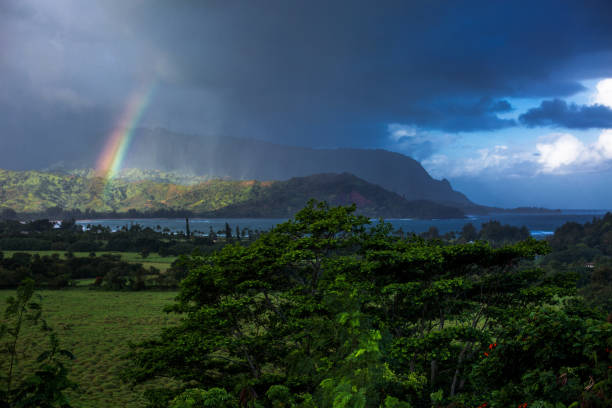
109 271
43 235
492 232
585 250
596 235
54 272
580 249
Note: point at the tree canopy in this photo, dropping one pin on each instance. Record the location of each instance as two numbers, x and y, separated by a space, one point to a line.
327 311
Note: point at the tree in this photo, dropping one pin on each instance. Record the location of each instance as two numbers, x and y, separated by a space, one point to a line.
469 233
326 311
69 224
8 214
556 354
228 233
55 212
212 236
431 233
198 398
497 234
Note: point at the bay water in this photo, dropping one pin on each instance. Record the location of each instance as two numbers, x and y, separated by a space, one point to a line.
539 225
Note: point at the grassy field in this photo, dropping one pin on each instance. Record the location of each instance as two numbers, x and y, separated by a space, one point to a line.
160 262
97 327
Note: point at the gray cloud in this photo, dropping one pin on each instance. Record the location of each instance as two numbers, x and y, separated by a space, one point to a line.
559 113
462 115
313 73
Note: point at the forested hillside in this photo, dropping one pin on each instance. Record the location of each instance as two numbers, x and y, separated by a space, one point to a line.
33 191
39 192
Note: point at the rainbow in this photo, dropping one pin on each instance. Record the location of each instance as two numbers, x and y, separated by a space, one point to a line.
109 162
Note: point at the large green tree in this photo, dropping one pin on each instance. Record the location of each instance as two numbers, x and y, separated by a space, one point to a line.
327 311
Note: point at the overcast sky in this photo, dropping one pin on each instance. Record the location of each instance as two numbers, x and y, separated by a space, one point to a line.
509 100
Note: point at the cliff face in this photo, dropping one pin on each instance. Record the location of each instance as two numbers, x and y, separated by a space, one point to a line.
242 159
284 198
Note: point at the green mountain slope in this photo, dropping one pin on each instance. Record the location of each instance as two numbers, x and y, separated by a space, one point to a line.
247 159
33 191
283 199
132 174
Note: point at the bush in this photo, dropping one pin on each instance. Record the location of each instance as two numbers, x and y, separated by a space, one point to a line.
85 246
24 244
198 398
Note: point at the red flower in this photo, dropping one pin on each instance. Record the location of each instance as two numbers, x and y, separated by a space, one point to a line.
486 354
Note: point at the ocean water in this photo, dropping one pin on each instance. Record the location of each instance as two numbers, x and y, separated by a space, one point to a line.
540 225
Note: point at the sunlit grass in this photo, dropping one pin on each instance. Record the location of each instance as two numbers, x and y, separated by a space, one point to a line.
97 327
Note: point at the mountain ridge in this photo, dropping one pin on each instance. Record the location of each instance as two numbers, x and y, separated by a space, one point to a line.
36 192
247 159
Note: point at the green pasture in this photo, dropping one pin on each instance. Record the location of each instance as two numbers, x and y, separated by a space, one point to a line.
97 327
155 260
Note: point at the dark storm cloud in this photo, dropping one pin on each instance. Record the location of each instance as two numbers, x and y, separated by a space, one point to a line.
559 113
462 115
315 73
500 106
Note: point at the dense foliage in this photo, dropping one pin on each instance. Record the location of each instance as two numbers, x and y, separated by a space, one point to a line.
596 235
55 272
585 250
88 196
324 312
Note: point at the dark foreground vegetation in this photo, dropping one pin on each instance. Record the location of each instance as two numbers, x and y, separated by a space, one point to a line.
326 311
321 312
